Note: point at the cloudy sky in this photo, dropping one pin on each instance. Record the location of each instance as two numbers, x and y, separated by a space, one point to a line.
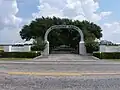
15 13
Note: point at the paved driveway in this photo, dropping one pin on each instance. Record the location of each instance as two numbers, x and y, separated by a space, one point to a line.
64 57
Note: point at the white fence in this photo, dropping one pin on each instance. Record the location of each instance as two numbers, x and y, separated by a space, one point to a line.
104 48
26 48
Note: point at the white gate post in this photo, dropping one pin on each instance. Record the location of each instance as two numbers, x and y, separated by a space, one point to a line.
82 48
46 50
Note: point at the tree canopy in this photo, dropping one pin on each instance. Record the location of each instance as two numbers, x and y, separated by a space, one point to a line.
69 37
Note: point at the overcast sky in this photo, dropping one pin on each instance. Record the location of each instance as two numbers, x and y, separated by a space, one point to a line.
15 13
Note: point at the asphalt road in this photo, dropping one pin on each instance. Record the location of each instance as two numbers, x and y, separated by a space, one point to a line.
59 77
65 74
60 68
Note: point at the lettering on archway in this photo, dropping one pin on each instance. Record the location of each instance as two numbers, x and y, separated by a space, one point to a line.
82 48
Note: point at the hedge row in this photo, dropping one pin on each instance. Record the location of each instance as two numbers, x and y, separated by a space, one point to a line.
107 55
19 54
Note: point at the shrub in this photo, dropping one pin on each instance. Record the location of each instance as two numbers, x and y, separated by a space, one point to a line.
1 51
19 54
92 46
38 45
107 55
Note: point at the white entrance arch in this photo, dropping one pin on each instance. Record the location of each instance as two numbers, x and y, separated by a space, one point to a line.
82 48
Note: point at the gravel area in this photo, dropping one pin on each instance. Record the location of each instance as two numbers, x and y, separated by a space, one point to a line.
59 83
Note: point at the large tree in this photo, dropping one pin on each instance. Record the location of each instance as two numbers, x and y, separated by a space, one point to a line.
69 37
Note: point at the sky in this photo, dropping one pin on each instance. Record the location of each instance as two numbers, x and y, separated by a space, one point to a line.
16 13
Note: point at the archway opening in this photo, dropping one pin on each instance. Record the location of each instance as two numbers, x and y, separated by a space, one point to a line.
64 40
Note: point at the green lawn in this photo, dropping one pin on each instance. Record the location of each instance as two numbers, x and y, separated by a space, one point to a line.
116 60
1 47
14 59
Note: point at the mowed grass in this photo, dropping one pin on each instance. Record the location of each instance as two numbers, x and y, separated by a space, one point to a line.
14 59
116 60
1 48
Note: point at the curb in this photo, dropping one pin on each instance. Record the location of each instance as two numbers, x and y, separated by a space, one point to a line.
67 61
60 63
96 58
40 57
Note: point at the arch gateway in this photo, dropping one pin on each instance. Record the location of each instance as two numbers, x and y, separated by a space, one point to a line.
82 48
